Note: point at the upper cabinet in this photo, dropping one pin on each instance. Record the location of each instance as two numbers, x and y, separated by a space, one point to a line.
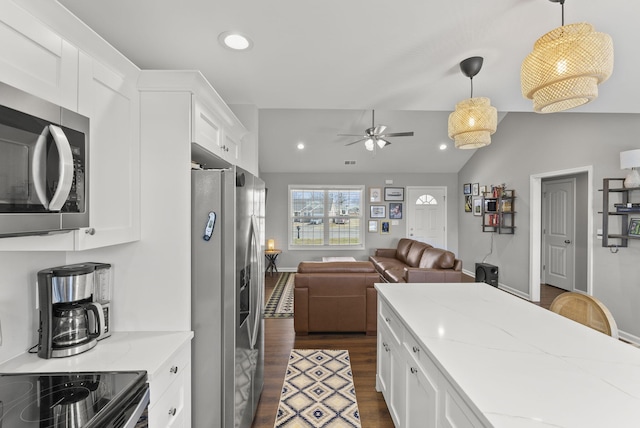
111 102
216 134
36 59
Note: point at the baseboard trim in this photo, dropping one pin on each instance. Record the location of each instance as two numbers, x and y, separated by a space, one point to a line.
502 287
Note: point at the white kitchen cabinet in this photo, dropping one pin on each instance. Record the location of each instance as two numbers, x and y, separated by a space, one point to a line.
209 133
391 378
422 387
35 59
415 390
170 401
110 99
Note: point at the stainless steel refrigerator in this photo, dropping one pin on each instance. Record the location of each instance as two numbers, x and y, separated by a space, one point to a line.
227 289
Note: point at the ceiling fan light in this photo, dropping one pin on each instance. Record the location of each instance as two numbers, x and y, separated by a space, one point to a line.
382 142
369 144
565 68
472 123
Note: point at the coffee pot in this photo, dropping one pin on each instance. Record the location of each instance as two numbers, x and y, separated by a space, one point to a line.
72 319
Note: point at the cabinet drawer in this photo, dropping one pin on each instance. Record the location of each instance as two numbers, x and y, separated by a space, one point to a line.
170 371
170 409
388 318
421 357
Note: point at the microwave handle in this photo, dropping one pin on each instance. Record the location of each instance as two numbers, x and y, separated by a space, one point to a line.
38 167
65 167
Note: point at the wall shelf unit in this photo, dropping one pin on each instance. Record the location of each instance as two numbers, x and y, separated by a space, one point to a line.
498 212
614 206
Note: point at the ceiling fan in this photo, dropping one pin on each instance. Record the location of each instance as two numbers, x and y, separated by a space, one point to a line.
375 135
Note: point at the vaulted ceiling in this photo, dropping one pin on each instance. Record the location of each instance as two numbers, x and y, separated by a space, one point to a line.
317 69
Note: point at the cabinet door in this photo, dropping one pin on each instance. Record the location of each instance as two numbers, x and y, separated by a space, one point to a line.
383 376
455 413
37 60
206 128
397 398
231 148
111 102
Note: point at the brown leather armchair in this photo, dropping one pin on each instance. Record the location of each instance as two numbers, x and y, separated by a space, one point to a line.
335 297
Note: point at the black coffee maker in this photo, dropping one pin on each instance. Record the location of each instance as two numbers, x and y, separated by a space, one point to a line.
71 320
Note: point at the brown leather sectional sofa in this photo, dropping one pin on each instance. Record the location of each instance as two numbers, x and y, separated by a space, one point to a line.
415 261
335 297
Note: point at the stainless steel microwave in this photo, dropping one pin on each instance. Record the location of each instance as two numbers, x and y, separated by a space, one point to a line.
44 168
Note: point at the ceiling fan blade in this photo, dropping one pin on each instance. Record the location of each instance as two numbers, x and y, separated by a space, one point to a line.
350 135
382 142
377 130
357 141
399 134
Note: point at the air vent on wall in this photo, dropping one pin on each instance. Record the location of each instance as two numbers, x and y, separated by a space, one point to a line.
349 162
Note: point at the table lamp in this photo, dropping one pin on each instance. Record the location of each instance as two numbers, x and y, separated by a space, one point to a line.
631 160
271 244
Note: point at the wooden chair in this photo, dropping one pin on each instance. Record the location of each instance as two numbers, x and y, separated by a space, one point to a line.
586 310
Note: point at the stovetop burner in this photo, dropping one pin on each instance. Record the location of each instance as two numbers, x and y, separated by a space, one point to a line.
78 400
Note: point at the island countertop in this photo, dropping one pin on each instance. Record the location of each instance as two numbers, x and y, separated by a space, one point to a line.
520 365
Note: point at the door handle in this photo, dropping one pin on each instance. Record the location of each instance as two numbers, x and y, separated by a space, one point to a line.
566 241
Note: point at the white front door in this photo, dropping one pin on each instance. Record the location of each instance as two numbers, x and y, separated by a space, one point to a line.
558 217
426 215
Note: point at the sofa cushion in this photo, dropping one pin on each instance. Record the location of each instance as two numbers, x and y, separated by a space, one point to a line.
415 253
395 275
383 264
402 251
437 258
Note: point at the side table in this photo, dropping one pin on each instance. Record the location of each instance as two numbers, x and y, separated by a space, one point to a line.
271 256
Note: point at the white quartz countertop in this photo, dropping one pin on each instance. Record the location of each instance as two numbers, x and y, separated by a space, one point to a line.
123 351
519 364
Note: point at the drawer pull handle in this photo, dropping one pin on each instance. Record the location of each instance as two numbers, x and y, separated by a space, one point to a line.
173 411
414 370
385 346
174 369
416 349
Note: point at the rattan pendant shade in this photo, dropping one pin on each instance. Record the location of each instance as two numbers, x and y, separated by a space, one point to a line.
565 68
472 123
474 120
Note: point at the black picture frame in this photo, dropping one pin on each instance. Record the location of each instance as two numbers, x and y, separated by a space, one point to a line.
377 211
634 227
394 193
395 210
466 189
468 202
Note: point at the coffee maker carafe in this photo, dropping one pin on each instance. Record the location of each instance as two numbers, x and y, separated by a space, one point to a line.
71 318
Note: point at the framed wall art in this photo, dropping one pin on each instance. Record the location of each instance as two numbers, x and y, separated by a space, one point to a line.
385 228
467 203
634 227
373 226
378 211
395 210
375 194
394 193
475 189
466 189
477 206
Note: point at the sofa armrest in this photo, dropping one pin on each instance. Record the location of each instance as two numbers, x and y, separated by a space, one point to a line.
301 312
385 252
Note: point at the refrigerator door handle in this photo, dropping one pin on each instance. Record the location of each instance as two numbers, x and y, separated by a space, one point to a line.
256 312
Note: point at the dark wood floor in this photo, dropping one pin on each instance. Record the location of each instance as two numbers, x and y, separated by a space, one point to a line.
280 339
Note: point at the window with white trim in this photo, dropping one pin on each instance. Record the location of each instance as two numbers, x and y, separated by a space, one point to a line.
322 217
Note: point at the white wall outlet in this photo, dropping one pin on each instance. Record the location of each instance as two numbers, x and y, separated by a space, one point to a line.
395 222
388 181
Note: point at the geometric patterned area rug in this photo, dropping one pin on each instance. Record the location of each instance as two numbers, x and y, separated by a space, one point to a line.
280 303
318 391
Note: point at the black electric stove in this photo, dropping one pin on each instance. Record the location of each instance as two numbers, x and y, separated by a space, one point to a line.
78 400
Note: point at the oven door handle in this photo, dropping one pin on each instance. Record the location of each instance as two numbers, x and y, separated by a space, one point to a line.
140 408
65 168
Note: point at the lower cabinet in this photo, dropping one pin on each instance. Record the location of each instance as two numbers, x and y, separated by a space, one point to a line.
170 404
417 393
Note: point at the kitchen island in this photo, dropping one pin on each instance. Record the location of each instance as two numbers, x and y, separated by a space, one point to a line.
471 355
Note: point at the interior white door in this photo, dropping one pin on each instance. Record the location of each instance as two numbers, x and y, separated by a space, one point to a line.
426 213
558 216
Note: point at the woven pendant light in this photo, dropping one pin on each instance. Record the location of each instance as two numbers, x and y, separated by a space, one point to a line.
474 119
566 66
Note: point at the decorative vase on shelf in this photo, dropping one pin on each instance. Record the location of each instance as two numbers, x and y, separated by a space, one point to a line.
633 179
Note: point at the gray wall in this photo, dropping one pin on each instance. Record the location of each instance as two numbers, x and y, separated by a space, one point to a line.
529 143
277 216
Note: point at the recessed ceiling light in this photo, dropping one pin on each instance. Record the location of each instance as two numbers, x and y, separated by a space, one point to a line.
443 146
300 146
234 40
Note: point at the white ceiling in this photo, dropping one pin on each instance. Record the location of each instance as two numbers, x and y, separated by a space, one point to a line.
318 68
